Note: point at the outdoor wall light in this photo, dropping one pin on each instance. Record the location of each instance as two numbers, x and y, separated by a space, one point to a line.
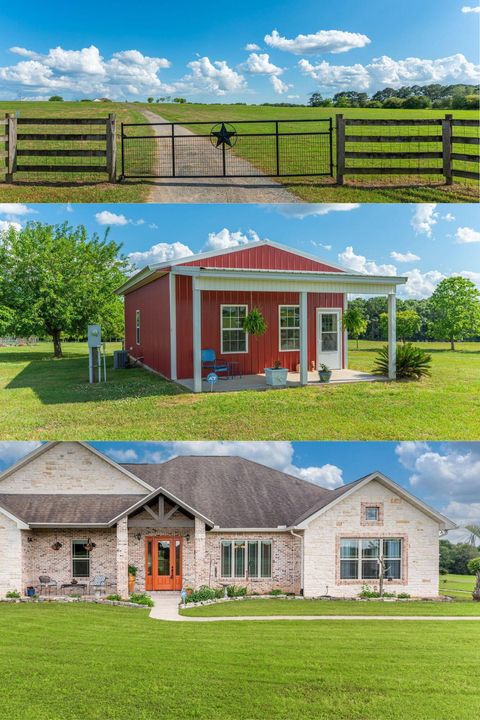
187 537
138 536
56 545
29 539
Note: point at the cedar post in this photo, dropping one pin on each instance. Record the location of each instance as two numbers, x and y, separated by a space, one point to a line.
111 148
340 126
447 148
11 147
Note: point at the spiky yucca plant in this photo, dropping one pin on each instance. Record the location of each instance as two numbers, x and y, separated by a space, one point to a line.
412 362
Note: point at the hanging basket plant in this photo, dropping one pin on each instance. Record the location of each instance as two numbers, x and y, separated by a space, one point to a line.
56 545
255 323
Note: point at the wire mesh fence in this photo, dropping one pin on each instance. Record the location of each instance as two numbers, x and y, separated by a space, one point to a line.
239 149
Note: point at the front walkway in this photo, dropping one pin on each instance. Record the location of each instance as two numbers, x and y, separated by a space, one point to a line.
166 608
257 382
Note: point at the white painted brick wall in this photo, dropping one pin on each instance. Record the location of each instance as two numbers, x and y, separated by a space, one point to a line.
345 519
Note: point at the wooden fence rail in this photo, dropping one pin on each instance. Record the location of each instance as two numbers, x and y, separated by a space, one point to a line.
444 141
16 134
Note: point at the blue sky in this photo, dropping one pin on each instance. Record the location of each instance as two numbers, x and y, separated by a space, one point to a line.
424 242
444 475
423 42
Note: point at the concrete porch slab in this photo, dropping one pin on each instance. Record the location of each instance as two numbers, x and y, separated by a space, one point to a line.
257 382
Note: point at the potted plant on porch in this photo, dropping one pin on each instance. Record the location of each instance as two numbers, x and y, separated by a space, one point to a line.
276 375
132 575
324 373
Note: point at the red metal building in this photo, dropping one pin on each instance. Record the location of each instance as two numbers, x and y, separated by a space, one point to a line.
175 310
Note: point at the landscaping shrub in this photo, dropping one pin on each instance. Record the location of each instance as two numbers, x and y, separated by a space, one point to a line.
204 593
276 591
367 592
403 596
113 597
474 568
141 599
12 594
236 591
412 362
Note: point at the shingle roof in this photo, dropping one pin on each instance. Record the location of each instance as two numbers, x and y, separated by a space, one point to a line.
235 492
67 509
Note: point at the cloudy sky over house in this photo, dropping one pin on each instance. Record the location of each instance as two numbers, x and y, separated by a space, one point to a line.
425 242
209 53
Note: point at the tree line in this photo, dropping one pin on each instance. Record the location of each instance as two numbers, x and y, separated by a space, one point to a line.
408 97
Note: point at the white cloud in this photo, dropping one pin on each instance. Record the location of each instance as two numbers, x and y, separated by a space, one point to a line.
251 47
404 257
327 476
11 452
120 455
420 284
408 452
69 208
259 64
303 210
360 264
215 77
466 235
227 239
279 86
448 217
333 41
159 253
105 217
14 209
384 71
470 275
5 225
424 218
471 9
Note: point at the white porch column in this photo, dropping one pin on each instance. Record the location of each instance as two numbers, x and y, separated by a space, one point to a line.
173 326
122 557
303 339
392 336
197 339
201 576
345 333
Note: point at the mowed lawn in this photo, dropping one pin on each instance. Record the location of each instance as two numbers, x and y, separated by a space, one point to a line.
43 188
459 586
43 398
73 662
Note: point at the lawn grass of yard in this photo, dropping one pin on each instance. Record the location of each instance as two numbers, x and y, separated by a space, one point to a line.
71 662
310 189
333 607
43 398
459 586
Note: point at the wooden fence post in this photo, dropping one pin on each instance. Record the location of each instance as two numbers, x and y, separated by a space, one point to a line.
447 148
340 127
11 147
111 148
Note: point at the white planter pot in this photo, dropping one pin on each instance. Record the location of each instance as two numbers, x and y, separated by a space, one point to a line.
277 377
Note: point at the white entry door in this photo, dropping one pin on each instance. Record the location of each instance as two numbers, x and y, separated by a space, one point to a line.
329 338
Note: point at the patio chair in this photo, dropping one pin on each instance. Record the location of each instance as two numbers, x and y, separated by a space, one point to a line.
47 583
211 364
99 584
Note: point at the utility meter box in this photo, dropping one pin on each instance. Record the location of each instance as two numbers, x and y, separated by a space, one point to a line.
94 336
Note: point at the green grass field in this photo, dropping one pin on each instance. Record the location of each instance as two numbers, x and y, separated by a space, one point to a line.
313 189
458 586
43 398
73 662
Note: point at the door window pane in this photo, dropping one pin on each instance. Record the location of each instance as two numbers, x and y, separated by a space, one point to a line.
239 558
149 557
253 558
226 558
164 558
329 322
177 557
329 342
266 559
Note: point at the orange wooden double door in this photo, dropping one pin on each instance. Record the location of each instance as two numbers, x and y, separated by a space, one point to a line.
163 562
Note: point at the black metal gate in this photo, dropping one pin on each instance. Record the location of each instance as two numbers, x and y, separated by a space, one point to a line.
245 148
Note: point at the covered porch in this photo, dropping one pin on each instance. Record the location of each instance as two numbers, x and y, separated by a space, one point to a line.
302 285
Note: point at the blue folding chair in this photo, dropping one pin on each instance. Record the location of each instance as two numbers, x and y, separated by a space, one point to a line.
211 364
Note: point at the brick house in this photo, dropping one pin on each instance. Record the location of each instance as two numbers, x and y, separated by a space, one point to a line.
69 512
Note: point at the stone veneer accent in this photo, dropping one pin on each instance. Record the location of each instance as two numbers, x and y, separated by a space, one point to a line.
10 555
401 519
122 557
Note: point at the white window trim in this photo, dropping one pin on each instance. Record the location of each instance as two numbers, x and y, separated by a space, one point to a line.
372 507
360 558
280 349
80 541
245 575
232 352
138 318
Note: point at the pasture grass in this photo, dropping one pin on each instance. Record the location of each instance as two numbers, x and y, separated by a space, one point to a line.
70 662
44 398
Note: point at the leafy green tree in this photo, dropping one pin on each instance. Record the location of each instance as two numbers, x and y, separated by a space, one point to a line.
6 321
55 280
474 569
455 307
393 103
55 98
315 99
417 102
150 100
355 322
408 324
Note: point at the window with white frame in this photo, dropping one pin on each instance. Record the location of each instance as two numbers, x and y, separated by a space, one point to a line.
289 327
372 513
80 559
246 558
362 558
137 327
233 336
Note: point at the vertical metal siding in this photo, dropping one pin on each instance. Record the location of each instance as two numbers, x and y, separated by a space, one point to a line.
263 257
154 304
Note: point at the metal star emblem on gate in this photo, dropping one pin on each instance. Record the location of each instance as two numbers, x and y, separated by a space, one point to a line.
224 135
